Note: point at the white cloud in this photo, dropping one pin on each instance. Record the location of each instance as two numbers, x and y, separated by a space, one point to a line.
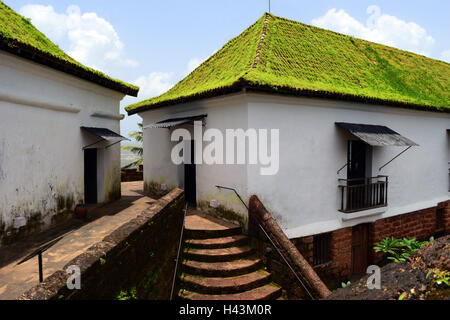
157 83
380 28
154 84
91 39
445 56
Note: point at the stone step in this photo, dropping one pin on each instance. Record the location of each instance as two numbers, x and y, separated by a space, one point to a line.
222 269
218 243
267 292
209 234
225 285
218 255
200 226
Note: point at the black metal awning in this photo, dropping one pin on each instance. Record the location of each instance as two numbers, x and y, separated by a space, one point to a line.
377 136
104 135
169 123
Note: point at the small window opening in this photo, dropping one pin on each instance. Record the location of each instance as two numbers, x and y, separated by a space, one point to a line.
321 247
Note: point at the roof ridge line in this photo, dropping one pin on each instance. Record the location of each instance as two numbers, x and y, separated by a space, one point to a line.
261 42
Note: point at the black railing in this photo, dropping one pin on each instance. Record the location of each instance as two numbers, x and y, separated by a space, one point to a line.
272 243
363 194
177 260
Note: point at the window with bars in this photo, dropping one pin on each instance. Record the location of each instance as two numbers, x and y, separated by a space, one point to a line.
321 249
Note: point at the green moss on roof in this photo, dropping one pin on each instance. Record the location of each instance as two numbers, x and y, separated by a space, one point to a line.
20 37
299 59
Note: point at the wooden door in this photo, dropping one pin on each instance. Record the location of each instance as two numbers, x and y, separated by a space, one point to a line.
90 176
190 183
360 248
356 168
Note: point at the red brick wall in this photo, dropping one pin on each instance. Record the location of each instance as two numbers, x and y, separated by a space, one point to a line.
420 224
446 207
128 175
339 267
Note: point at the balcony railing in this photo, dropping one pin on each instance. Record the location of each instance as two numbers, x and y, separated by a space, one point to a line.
363 194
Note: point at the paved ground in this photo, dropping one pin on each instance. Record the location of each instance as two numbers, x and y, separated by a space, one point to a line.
16 279
197 220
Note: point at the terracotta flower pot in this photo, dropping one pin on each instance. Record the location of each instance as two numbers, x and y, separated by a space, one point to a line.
81 211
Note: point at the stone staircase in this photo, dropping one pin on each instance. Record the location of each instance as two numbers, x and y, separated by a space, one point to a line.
218 264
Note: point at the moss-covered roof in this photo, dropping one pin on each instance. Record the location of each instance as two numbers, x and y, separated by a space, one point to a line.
277 55
18 36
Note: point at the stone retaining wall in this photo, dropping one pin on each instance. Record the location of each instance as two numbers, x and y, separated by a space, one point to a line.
138 256
129 175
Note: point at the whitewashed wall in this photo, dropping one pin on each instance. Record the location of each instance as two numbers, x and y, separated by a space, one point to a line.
41 157
223 113
304 195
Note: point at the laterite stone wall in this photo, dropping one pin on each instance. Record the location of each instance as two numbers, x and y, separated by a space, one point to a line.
420 224
138 256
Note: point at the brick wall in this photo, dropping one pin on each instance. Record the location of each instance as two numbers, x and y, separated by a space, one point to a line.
446 218
338 269
128 175
420 224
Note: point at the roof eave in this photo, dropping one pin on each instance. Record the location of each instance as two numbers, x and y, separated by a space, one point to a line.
234 88
289 92
33 54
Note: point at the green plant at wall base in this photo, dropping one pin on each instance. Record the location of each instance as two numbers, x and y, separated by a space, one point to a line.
137 150
440 277
403 296
124 295
343 284
102 261
400 249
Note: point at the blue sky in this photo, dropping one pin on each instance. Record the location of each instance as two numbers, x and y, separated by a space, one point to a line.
154 44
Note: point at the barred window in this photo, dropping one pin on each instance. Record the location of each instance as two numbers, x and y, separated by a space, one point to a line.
321 248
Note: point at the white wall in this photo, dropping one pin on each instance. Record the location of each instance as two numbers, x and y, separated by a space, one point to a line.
304 195
41 157
223 113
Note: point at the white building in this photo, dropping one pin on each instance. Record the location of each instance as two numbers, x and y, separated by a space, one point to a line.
58 131
363 138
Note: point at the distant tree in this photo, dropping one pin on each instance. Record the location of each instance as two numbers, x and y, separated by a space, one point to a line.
137 150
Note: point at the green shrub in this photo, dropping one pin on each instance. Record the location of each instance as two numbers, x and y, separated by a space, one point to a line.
399 250
124 295
440 277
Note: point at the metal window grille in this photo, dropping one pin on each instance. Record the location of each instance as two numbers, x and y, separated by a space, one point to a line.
321 248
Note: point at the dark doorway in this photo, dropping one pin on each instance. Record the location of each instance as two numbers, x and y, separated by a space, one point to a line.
90 176
356 168
360 248
190 184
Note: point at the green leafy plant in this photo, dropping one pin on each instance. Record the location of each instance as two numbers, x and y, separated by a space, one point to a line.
124 295
137 150
403 296
440 277
343 284
400 249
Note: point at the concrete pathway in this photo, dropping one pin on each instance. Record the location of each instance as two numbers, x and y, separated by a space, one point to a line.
16 279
